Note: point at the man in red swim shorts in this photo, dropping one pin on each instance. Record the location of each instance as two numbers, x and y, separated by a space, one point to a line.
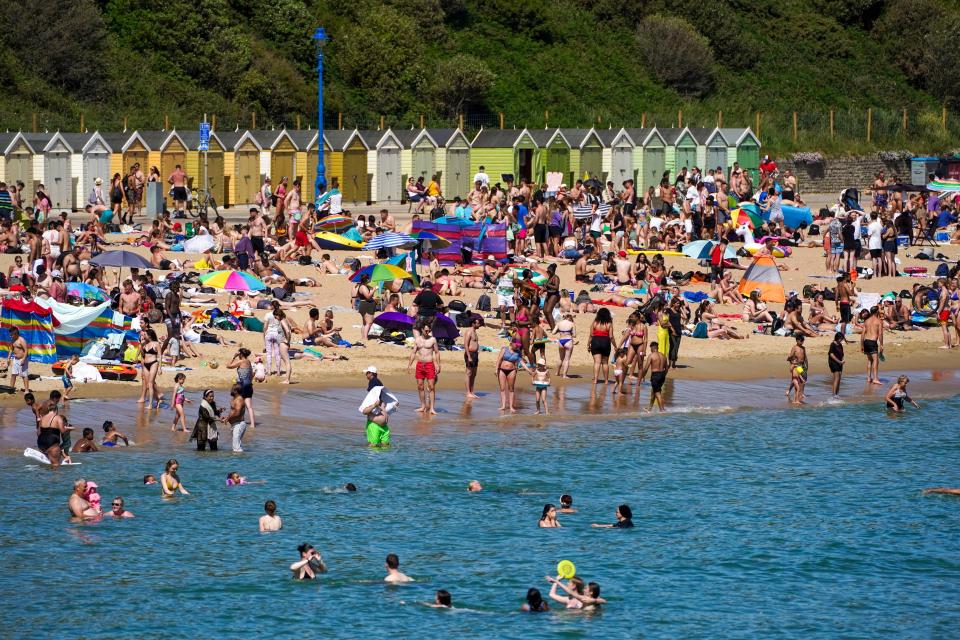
426 353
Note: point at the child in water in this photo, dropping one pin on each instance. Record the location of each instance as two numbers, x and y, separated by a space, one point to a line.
620 368
234 479
111 435
541 382
179 397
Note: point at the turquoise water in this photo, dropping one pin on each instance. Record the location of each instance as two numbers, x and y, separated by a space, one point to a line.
764 523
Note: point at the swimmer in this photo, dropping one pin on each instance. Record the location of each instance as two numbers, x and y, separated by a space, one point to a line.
235 479
111 435
149 479
897 394
117 510
85 443
541 382
394 575
79 507
443 600
474 486
535 602
548 519
566 504
943 490
309 564
624 519
271 521
350 487
581 596
170 481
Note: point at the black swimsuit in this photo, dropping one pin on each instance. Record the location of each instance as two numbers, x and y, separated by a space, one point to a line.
47 437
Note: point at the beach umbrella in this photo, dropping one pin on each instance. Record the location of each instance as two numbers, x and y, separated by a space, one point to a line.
389 240
535 276
121 259
334 223
745 216
380 273
335 242
232 281
436 242
85 291
701 250
444 328
199 244
394 321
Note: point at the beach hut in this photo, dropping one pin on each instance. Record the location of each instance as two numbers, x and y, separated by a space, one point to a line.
242 164
384 164
17 160
306 165
649 156
618 149
418 158
452 161
214 159
712 149
504 152
37 142
554 154
90 160
134 150
283 156
681 150
348 163
58 175
744 147
586 153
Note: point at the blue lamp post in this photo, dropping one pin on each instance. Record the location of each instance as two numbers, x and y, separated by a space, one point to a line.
320 37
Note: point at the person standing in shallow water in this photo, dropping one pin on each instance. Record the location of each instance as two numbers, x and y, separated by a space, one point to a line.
657 364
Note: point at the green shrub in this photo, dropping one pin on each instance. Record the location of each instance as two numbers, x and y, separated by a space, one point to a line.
676 54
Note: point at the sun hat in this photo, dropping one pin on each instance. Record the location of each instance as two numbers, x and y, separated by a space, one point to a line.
98 181
371 369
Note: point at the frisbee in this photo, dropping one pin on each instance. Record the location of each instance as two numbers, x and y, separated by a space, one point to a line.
566 569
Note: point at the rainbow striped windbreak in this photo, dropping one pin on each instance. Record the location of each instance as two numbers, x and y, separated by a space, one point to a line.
36 326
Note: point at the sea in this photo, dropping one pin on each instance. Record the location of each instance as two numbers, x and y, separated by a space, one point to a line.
753 519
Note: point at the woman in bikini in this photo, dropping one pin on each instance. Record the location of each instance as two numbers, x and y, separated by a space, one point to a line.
170 481
567 331
551 291
636 337
149 358
523 322
509 360
819 318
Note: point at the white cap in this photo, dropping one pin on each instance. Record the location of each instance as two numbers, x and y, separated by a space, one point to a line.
371 369
491 257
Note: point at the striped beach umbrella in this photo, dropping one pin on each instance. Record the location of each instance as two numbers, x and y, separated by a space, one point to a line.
435 241
745 216
334 223
390 240
232 281
584 211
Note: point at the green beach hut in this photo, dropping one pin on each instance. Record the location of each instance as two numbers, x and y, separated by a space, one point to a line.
744 147
554 154
681 149
712 149
586 153
452 161
649 156
504 152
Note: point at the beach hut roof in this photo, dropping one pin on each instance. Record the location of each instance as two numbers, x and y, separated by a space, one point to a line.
374 138
93 139
248 135
191 139
130 139
545 137
154 140
578 138
738 135
115 140
302 138
38 141
340 139
10 139
642 137
611 137
702 135
76 142
61 138
672 135
444 137
273 138
500 138
229 138
410 138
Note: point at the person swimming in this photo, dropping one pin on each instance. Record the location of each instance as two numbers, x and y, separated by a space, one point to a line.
566 504
535 602
270 521
234 479
309 565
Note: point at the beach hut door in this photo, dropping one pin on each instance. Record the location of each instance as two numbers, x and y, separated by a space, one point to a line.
458 172
716 157
622 168
58 180
388 189
96 165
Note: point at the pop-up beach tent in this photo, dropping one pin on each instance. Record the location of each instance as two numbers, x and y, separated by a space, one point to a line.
762 275
36 327
77 326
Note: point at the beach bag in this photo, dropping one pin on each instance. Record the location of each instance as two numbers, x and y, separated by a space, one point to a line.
457 305
942 270
304 261
258 198
700 331
814 230
483 303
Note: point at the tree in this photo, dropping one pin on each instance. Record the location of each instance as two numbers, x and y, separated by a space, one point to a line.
462 80
676 54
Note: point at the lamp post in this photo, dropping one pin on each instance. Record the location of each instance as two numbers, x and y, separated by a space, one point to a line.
320 38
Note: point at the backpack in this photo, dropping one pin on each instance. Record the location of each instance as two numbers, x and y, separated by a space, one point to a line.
258 198
457 305
942 270
483 303
304 261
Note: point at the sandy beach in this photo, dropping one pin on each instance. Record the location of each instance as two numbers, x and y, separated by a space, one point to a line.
700 359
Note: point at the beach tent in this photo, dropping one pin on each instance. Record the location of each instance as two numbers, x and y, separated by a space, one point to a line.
763 276
76 326
36 327
485 239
